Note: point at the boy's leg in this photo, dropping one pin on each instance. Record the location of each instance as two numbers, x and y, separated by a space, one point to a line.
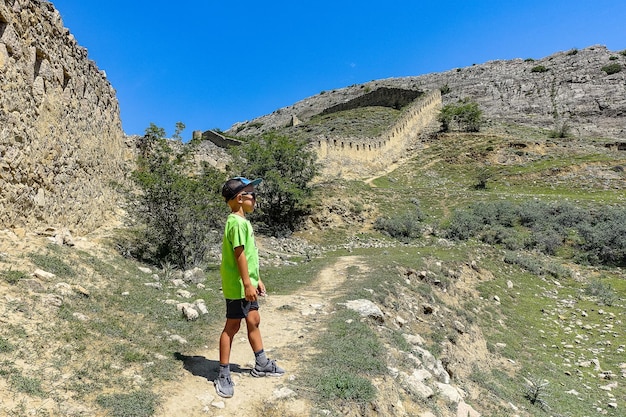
224 384
253 321
263 366
226 339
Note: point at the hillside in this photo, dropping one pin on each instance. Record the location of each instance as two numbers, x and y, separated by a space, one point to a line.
567 87
390 301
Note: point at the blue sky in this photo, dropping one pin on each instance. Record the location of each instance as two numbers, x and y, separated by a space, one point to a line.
212 63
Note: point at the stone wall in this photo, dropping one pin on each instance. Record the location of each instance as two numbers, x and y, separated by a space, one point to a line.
344 152
386 97
61 139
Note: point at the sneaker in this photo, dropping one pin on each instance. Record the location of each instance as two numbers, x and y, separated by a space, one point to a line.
270 369
224 386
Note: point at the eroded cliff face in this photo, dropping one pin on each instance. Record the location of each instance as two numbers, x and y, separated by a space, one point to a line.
566 87
61 138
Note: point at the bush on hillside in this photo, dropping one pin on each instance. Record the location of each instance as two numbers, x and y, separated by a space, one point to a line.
612 68
594 236
404 226
464 115
287 167
178 209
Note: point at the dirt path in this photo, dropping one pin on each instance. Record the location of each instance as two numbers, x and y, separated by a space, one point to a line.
288 322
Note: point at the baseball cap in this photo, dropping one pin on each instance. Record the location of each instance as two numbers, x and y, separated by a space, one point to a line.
233 186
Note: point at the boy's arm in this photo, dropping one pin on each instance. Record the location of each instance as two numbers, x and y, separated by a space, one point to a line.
242 265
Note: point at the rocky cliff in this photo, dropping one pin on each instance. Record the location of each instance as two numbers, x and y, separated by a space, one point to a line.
578 88
61 139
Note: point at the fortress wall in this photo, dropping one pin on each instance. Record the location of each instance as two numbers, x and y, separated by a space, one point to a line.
61 139
342 151
220 140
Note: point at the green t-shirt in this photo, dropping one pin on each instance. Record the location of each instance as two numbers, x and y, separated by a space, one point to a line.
238 232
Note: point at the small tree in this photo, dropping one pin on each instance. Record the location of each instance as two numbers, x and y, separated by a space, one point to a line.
287 166
465 114
178 209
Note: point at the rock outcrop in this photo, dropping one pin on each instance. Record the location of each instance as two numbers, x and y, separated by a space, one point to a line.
61 139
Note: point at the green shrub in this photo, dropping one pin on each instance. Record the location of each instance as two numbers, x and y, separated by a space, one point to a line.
27 385
404 226
538 68
596 236
561 131
465 114
612 68
337 385
602 292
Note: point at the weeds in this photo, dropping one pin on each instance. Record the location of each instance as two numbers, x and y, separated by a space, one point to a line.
535 391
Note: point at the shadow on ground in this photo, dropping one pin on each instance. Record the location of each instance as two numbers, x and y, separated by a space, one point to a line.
206 368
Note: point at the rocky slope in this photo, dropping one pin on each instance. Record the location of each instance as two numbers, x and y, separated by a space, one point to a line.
568 87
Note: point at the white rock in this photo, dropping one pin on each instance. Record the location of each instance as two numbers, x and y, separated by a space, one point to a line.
413 339
177 338
80 317
283 393
183 293
450 393
41 274
366 308
190 313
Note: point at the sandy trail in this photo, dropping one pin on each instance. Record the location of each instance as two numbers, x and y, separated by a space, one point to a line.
288 322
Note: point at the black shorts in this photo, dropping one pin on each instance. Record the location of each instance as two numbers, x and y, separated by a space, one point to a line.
239 309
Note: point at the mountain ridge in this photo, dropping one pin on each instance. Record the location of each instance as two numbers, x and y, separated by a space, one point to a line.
568 87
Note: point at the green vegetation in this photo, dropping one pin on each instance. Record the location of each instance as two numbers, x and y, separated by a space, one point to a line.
590 236
465 115
287 167
133 404
348 366
13 277
404 226
176 209
518 237
539 69
612 68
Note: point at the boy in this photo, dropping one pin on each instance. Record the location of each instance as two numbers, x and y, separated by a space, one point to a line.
241 284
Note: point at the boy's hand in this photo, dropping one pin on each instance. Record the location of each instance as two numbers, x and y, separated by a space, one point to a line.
250 292
261 289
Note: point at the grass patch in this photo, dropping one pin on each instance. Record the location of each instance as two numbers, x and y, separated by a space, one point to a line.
351 355
134 404
52 262
13 276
